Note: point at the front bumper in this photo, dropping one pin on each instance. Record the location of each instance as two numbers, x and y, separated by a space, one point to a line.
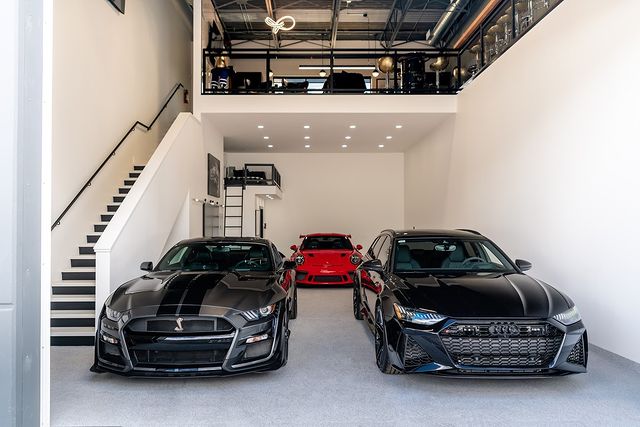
133 348
325 277
463 347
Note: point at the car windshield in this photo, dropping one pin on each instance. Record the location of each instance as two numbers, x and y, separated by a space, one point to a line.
448 255
326 243
222 256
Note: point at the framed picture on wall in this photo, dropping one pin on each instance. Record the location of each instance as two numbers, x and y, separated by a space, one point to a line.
213 176
118 4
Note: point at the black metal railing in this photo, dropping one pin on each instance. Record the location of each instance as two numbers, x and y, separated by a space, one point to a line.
137 124
253 174
351 71
409 71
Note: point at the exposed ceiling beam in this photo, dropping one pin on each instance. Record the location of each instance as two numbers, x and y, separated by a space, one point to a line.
335 16
396 18
215 17
272 14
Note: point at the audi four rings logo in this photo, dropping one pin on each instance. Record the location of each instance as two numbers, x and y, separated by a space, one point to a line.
279 24
504 329
179 328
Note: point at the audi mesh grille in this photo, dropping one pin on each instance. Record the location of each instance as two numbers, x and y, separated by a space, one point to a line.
502 344
414 356
577 356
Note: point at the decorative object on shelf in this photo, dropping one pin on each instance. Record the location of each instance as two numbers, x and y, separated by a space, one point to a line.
464 73
213 176
118 4
279 25
221 61
385 64
322 73
440 63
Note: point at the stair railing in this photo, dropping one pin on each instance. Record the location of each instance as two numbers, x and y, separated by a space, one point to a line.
144 127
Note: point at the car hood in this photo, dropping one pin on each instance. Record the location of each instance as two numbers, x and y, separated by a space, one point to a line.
482 295
175 289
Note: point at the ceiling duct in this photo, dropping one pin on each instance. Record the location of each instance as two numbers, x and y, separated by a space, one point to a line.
445 21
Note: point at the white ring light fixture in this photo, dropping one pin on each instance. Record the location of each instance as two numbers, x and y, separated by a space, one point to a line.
279 25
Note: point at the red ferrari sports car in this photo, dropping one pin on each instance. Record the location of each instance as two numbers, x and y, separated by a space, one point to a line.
326 259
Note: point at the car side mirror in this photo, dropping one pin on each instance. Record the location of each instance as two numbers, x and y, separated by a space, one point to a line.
294 247
288 265
359 247
146 266
372 265
523 265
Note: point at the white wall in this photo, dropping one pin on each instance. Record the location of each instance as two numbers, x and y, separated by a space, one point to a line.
109 70
359 194
160 209
544 160
426 174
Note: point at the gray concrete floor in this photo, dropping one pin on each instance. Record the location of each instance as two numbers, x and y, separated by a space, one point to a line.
331 378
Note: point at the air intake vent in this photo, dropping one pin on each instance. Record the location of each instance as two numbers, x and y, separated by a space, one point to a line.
577 355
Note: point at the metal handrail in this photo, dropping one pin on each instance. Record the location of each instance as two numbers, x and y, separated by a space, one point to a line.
133 127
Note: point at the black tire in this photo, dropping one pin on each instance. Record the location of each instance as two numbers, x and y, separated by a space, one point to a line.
293 313
382 353
357 307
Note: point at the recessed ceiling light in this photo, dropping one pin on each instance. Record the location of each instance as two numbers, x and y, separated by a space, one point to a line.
352 126
389 137
307 137
260 126
265 137
380 145
344 145
307 126
398 126
307 146
347 137
270 146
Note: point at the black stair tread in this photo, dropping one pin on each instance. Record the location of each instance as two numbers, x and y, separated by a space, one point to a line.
124 190
232 195
73 290
134 174
129 181
93 238
118 199
232 226
65 322
106 217
83 262
98 228
138 167
86 250
73 341
78 275
112 208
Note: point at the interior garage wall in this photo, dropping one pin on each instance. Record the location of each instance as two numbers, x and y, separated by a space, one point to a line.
544 160
426 171
359 194
109 70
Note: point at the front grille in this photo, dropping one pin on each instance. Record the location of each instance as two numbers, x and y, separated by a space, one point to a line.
192 325
329 279
155 342
414 356
160 358
502 344
577 354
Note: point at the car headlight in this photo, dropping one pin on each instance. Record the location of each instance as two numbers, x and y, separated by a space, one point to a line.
568 317
259 313
355 259
299 260
112 314
421 317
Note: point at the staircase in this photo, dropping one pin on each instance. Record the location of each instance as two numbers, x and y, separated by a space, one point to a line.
73 299
233 210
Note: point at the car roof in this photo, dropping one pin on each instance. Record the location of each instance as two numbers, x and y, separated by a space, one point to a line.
225 239
465 233
325 235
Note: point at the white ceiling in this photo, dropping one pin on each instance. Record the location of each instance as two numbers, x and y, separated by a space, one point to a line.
327 131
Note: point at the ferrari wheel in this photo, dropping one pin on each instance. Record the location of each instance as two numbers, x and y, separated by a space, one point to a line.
382 353
293 313
357 313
